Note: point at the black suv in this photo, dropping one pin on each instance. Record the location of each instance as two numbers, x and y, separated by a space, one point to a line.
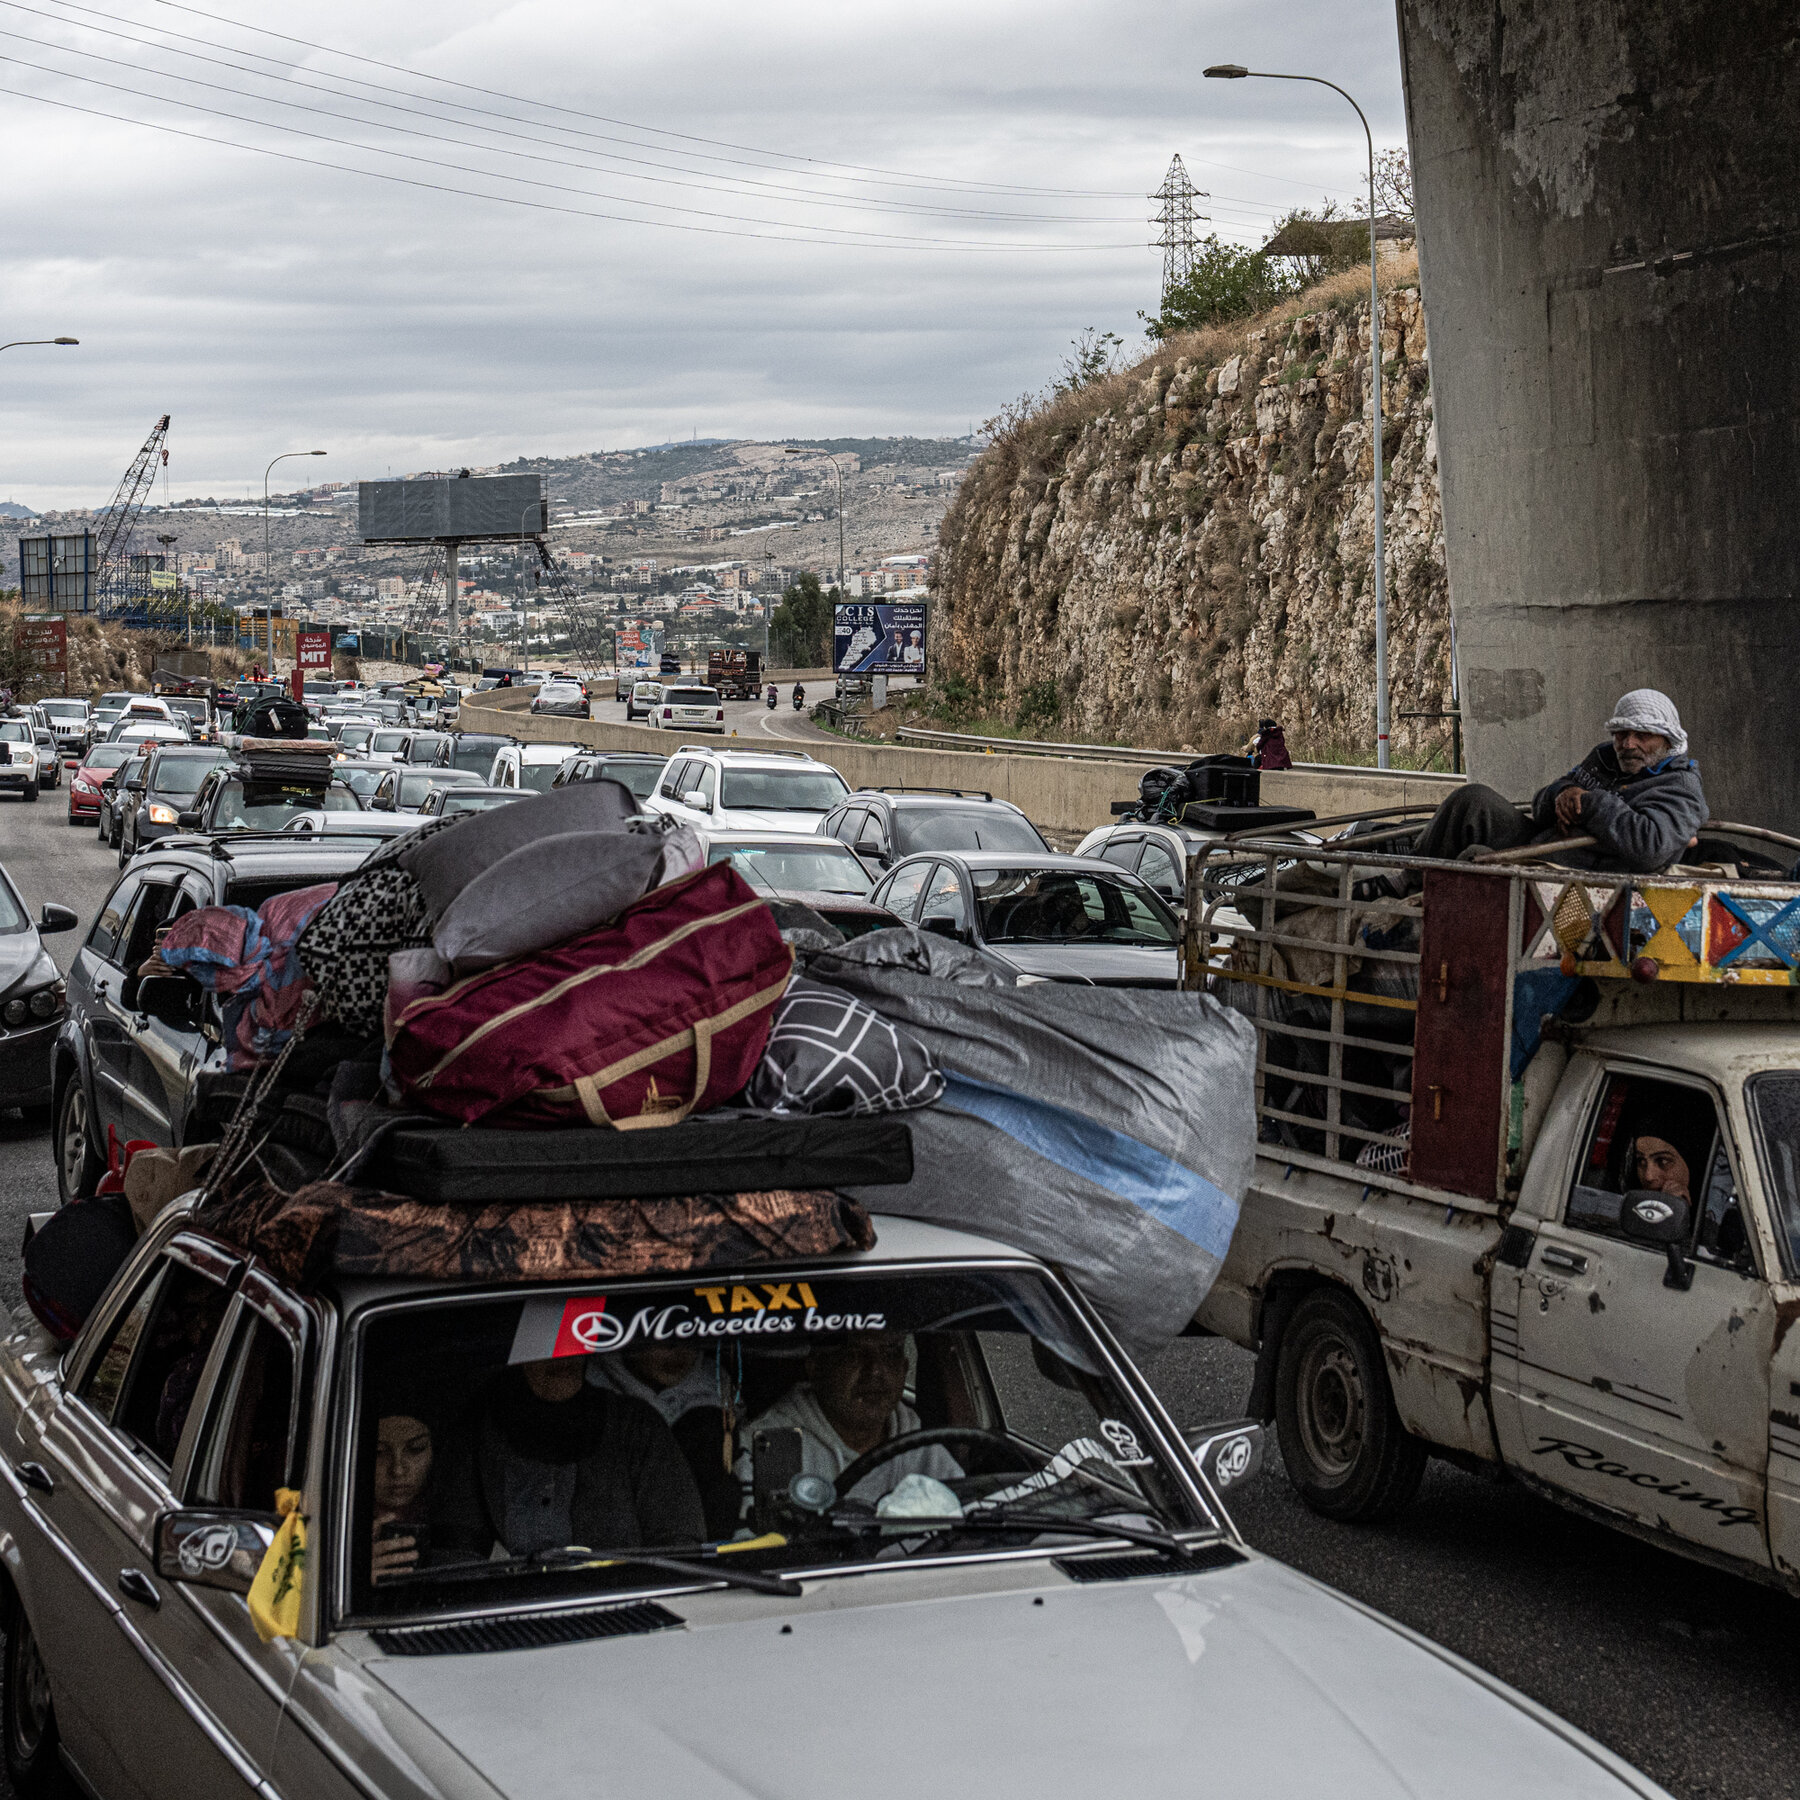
472 750
155 797
884 824
230 799
116 1066
636 770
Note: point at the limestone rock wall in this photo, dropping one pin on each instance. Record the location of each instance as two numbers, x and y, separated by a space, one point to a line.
1168 555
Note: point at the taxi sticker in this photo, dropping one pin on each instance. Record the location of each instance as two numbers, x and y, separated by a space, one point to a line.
585 1326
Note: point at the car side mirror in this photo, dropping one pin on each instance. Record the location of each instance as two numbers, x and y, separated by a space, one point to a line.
172 1000
56 918
698 801
216 1547
945 928
1651 1218
1229 1453
189 820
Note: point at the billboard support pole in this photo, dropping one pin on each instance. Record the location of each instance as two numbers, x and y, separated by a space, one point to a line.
452 594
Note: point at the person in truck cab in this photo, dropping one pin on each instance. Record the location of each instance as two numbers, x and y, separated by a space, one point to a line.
1638 796
1661 1168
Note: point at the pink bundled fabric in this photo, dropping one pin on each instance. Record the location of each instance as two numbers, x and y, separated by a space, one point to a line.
247 959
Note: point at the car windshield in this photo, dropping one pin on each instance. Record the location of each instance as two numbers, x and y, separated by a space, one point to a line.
425 745
415 786
825 868
191 704
461 803
475 754
783 790
1058 906
964 828
269 805
362 781
182 774
386 743
108 756
356 737
538 777
689 696
640 777
64 709
15 731
520 1448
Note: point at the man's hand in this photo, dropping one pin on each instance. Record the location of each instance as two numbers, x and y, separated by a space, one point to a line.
1568 808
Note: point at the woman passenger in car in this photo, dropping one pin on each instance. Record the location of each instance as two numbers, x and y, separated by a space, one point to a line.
552 1460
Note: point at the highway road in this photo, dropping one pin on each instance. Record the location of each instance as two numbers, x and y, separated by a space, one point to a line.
1688 1673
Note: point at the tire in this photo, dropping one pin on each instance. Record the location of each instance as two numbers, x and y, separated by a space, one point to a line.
1346 1452
29 791
79 1164
28 1719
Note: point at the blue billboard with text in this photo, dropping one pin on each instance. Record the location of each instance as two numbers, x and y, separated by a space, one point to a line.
878 640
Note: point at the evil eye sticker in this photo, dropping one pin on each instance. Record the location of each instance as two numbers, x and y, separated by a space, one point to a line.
1654 1212
1231 1462
1128 1453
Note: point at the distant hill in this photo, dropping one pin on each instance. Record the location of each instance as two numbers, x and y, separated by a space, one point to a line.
11 509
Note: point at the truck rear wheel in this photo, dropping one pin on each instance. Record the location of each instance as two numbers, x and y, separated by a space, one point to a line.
1341 1438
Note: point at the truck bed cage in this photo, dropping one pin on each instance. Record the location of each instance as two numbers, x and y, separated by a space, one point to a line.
1392 1033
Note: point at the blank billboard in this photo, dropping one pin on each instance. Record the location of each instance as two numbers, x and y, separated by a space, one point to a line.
436 510
56 574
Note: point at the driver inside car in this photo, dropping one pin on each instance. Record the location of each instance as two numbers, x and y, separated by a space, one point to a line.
850 1402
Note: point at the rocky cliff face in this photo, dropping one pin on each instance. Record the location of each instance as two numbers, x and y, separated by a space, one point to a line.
1168 555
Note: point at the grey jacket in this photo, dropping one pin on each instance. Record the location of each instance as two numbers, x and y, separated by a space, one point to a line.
1643 822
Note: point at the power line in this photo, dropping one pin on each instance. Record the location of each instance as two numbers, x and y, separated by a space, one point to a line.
710 183
876 241
794 196
627 124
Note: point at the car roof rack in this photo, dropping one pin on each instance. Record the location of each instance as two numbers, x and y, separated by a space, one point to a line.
909 788
718 750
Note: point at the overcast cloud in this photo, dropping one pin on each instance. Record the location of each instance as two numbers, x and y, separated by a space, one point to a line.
268 304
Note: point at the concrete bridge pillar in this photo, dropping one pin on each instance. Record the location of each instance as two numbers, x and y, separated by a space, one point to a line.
1608 195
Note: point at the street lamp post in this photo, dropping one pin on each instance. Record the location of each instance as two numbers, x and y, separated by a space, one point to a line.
21 343
839 467
1237 72
268 560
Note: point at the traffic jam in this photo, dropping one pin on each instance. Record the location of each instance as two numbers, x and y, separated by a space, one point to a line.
558 1258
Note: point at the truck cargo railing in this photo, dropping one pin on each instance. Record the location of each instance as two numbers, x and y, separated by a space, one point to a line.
1393 1031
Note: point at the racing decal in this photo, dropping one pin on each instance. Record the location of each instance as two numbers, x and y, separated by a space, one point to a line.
1128 1453
584 1326
1594 1462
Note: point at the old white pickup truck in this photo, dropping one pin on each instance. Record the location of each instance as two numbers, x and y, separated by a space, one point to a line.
1528 1185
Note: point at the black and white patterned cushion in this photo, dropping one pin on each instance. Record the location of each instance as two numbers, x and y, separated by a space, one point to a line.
828 1053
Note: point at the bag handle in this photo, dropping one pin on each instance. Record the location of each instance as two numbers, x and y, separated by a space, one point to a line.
587 1087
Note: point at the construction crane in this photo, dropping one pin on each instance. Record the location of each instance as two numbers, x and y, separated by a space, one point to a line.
115 524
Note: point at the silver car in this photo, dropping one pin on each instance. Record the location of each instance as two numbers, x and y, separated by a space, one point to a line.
884 1524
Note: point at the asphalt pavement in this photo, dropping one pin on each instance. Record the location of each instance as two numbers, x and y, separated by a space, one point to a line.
1688 1673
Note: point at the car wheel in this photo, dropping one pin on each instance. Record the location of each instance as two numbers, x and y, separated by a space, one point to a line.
29 791
79 1164
1341 1438
29 1730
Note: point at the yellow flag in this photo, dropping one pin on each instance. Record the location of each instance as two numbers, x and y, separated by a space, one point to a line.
275 1593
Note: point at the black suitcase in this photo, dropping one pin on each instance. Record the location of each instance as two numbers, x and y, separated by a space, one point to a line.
699 1156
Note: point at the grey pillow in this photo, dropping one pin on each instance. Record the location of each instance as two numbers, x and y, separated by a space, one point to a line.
447 861
546 891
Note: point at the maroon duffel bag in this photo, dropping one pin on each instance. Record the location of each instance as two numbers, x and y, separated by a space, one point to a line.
662 1013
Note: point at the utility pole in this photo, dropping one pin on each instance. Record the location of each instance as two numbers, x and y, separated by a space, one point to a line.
1176 217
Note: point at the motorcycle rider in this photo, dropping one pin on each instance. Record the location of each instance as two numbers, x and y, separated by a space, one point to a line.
773 695
799 696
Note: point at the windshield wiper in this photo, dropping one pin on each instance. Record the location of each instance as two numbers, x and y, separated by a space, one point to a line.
1001 1519
677 1562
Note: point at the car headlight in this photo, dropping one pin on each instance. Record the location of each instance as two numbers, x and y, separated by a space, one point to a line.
163 815
46 1003
82 785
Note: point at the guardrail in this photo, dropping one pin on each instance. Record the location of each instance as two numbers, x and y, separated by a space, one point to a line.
964 740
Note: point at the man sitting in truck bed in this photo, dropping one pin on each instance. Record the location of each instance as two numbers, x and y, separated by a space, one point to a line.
1638 797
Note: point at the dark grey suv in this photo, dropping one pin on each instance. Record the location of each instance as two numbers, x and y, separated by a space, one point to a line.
884 824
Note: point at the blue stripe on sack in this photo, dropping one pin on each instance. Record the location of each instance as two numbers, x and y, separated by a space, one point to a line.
1169 1191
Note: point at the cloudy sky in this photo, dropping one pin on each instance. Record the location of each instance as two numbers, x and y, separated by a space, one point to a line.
458 234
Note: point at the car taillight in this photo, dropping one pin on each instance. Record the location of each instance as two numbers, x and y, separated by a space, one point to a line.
667 714
720 714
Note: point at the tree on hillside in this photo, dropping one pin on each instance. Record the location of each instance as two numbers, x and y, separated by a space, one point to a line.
1227 282
800 628
1308 245
1393 187
1094 354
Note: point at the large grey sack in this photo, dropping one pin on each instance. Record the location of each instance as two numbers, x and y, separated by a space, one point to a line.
1109 1130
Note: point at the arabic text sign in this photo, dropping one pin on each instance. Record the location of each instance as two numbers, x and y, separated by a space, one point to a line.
878 640
312 649
44 646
